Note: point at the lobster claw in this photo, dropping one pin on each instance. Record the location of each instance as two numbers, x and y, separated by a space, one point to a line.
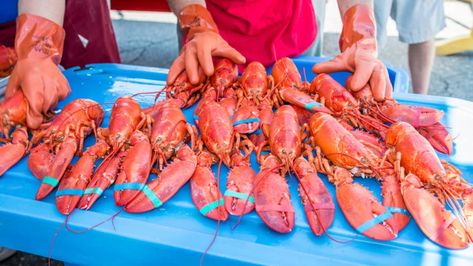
317 201
362 209
103 177
246 118
272 198
135 169
365 213
437 134
72 186
437 223
170 180
205 192
12 152
417 116
238 199
51 164
302 100
393 200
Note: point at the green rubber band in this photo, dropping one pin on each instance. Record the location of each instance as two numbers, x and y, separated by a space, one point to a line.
211 206
50 181
243 196
93 190
152 197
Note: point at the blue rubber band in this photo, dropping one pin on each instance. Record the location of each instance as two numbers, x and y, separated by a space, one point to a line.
69 192
374 221
211 206
196 117
93 190
399 210
50 181
239 195
247 121
152 197
258 132
309 106
129 186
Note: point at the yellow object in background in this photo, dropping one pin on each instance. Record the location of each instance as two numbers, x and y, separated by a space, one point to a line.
455 45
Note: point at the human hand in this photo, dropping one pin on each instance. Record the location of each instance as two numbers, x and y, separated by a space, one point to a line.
38 45
360 58
197 54
42 84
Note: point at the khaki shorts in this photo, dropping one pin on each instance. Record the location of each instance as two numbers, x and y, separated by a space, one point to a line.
416 20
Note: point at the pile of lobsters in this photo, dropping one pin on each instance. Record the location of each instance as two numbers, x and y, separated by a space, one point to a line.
291 125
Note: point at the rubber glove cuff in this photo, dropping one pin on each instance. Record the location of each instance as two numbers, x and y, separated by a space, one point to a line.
358 23
195 18
38 37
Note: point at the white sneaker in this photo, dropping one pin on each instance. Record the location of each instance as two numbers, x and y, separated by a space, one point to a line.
6 253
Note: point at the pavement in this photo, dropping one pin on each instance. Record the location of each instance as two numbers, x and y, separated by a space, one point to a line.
149 39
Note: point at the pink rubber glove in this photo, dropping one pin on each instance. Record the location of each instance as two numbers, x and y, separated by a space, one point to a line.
202 42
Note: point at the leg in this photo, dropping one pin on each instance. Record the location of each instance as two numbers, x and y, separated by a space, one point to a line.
421 59
418 22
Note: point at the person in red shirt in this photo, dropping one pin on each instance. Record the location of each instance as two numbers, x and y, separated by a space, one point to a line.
265 30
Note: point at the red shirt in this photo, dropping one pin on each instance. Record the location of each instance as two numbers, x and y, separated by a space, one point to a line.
265 30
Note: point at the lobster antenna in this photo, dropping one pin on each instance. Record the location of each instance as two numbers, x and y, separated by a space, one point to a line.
92 227
210 245
218 221
51 244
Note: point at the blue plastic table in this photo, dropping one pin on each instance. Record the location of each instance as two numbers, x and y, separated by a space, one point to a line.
177 233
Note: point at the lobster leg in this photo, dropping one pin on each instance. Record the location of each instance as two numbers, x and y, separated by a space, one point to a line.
12 152
72 187
59 163
169 181
437 223
135 169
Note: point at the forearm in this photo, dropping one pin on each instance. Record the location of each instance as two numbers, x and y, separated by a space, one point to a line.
344 5
177 5
50 9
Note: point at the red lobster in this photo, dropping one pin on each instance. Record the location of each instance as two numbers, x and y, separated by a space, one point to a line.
129 159
168 137
13 114
427 175
272 197
361 208
61 140
288 87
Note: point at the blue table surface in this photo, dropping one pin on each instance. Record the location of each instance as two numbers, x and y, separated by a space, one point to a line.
177 233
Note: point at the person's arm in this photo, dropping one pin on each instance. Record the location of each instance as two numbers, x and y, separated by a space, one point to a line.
344 5
39 43
50 9
201 41
359 50
177 5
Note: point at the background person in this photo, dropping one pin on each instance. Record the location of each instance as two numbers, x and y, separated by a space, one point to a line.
417 22
266 30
